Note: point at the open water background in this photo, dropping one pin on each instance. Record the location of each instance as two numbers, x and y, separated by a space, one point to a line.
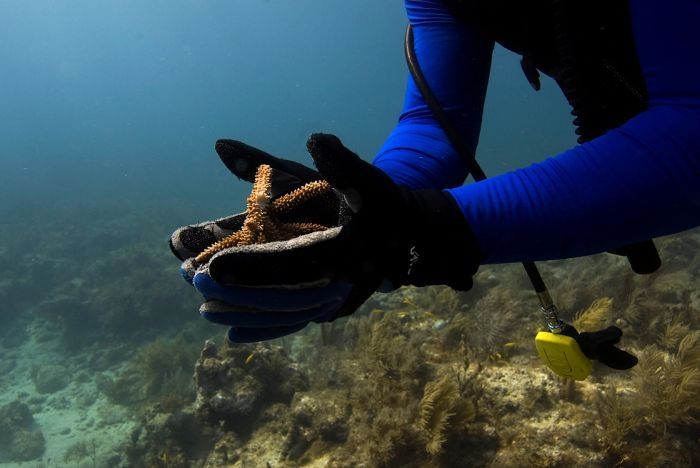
121 102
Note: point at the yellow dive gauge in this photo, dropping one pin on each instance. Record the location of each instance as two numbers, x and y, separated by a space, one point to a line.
563 355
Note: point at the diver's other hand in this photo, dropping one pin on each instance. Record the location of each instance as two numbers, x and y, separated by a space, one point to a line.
396 235
600 345
386 237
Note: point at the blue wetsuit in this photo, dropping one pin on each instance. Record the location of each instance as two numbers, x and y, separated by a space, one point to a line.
638 181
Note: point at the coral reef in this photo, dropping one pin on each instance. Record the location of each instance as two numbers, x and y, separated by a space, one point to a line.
236 383
240 388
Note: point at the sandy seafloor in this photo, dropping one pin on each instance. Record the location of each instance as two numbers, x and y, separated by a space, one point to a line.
101 347
74 413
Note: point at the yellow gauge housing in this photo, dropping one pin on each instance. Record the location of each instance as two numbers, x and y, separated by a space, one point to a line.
563 355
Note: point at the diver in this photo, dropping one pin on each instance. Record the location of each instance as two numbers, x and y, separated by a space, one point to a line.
629 70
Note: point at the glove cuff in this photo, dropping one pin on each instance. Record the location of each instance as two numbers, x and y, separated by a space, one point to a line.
442 247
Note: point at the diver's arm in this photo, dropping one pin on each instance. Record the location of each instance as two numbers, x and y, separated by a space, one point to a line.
639 181
455 61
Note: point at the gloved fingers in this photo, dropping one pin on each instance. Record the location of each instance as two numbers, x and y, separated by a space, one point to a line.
189 241
271 299
227 314
363 185
253 335
600 345
608 336
243 161
188 269
312 258
590 342
616 358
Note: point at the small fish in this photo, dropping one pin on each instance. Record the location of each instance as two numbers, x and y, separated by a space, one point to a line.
510 344
250 357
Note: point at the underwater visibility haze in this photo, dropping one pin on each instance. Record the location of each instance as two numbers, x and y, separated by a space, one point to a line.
110 111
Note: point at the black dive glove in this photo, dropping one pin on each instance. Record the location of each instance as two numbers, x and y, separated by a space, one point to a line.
382 237
600 346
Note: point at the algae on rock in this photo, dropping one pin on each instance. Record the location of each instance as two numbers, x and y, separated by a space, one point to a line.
81 450
20 438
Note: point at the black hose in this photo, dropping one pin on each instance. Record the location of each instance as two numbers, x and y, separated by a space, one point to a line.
467 156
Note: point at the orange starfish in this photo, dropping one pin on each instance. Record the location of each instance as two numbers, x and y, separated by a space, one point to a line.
262 223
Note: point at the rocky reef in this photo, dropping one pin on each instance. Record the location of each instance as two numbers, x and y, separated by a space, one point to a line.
431 377
109 369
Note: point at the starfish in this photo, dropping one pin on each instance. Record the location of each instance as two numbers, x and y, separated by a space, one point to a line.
265 218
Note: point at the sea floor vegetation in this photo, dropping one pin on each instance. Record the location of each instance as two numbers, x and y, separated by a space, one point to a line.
109 365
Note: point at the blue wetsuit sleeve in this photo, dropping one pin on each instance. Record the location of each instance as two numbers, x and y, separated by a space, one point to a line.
455 61
638 181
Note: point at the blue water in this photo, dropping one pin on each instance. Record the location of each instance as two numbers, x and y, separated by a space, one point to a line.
123 100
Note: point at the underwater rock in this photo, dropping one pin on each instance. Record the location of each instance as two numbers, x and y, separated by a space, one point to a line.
20 439
167 439
50 378
85 399
14 415
323 413
241 401
235 384
26 445
82 451
226 451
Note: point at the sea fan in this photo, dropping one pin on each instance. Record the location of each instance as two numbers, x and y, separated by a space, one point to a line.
672 335
436 409
595 317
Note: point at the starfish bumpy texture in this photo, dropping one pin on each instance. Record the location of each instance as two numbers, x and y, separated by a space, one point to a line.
263 221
